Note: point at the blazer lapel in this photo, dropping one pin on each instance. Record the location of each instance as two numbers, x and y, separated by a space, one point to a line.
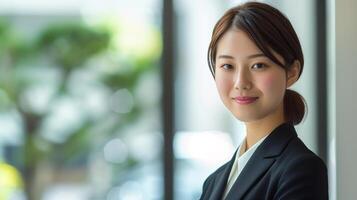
261 160
221 181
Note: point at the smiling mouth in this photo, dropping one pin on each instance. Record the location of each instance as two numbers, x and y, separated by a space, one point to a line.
245 100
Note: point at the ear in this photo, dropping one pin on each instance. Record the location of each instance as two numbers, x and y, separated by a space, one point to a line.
293 73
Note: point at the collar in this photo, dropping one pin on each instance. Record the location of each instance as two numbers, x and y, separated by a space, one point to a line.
261 160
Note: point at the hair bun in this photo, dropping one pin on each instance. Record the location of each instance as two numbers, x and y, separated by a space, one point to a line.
295 107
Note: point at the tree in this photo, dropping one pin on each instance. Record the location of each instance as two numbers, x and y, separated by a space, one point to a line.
69 48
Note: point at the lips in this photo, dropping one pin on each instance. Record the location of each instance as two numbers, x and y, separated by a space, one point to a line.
245 99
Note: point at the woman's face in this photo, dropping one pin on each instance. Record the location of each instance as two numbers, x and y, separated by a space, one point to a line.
250 85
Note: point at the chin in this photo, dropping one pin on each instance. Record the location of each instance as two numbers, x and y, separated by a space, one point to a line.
249 117
246 118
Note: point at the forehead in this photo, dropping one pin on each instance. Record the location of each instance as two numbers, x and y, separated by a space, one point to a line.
236 43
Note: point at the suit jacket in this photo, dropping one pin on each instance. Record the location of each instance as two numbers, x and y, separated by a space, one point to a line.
281 168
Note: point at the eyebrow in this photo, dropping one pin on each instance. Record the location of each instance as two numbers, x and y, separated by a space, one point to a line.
248 57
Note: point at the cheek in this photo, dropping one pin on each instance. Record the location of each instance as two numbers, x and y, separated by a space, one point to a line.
222 85
271 85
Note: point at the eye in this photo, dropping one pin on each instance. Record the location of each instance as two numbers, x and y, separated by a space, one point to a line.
259 66
227 66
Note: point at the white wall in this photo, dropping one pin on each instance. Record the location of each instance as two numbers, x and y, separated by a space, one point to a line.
342 45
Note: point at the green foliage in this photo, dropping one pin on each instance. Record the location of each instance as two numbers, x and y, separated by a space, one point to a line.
12 46
70 45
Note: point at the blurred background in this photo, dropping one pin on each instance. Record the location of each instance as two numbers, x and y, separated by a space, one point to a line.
114 100
79 99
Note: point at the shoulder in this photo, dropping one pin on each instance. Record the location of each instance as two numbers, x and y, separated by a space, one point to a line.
212 176
220 172
302 171
297 151
305 163
298 156
210 180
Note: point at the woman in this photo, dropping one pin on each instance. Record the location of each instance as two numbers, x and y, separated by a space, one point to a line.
255 56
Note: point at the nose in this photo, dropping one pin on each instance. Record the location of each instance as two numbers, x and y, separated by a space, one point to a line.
242 80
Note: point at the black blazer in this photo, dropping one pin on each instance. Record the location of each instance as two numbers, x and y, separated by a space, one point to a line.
281 168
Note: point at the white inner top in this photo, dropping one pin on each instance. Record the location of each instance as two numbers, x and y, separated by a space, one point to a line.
241 159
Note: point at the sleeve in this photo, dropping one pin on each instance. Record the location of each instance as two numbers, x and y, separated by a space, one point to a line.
303 178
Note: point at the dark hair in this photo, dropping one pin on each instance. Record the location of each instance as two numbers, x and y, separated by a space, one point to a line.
272 32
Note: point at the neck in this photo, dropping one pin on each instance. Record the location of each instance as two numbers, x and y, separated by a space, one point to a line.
263 127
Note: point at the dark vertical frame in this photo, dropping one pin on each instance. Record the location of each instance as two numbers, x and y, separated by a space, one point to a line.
167 71
321 77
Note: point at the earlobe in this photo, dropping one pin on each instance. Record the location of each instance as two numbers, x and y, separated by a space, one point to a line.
293 73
